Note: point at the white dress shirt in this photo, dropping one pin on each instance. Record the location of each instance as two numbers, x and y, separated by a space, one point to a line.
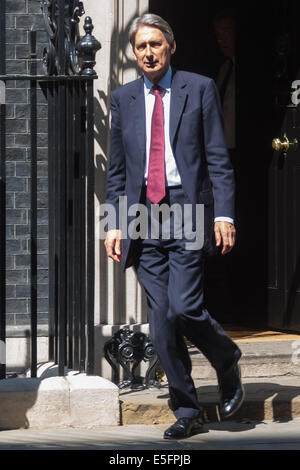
172 173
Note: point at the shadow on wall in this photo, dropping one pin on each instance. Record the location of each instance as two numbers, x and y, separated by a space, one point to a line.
121 62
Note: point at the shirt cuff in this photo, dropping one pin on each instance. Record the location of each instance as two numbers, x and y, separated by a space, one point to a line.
224 219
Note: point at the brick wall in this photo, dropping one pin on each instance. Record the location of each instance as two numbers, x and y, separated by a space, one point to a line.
21 15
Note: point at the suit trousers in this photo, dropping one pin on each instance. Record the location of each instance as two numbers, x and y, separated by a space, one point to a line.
172 277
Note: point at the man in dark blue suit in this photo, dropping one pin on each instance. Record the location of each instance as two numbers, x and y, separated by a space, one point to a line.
168 150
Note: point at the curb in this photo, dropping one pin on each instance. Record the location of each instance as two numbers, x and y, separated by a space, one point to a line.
73 401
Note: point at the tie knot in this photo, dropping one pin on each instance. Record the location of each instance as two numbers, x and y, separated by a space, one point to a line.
158 90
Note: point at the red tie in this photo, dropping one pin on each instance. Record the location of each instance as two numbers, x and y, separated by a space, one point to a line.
156 187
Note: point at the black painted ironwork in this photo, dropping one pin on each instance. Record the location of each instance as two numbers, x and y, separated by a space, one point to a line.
2 196
68 86
128 349
61 20
87 48
33 207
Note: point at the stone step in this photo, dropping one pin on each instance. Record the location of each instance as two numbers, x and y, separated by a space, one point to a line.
267 398
271 375
259 359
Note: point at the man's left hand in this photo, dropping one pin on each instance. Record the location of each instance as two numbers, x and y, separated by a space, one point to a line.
225 236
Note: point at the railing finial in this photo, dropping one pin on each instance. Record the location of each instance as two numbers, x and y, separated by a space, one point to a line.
87 48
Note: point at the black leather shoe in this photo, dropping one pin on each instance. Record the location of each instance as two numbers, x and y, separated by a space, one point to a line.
183 428
231 391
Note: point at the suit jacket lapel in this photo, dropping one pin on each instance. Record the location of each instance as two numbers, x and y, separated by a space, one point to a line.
178 100
138 106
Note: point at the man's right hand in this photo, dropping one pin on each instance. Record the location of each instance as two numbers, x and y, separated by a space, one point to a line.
113 244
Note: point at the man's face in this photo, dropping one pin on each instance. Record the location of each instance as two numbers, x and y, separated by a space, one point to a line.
225 32
153 52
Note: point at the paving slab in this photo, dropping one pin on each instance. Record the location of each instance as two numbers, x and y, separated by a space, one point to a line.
231 435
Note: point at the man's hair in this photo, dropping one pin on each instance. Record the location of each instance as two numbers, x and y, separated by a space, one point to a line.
225 14
150 19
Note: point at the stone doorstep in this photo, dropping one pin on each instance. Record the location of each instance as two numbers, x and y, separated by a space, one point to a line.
268 398
259 359
75 400
271 374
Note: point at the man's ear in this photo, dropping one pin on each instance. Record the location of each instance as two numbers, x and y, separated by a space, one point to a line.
173 47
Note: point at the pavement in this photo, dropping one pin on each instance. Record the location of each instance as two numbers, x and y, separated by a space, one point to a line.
231 435
269 418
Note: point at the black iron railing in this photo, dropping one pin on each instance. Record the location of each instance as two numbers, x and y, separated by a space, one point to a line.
2 196
68 87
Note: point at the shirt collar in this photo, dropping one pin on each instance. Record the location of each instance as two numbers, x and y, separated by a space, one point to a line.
165 82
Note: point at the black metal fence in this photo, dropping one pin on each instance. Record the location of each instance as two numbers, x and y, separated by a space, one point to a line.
68 86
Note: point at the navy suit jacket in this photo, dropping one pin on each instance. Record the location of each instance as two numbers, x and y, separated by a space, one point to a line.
198 143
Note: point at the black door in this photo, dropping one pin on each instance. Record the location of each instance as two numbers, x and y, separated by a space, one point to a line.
258 284
284 225
284 174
